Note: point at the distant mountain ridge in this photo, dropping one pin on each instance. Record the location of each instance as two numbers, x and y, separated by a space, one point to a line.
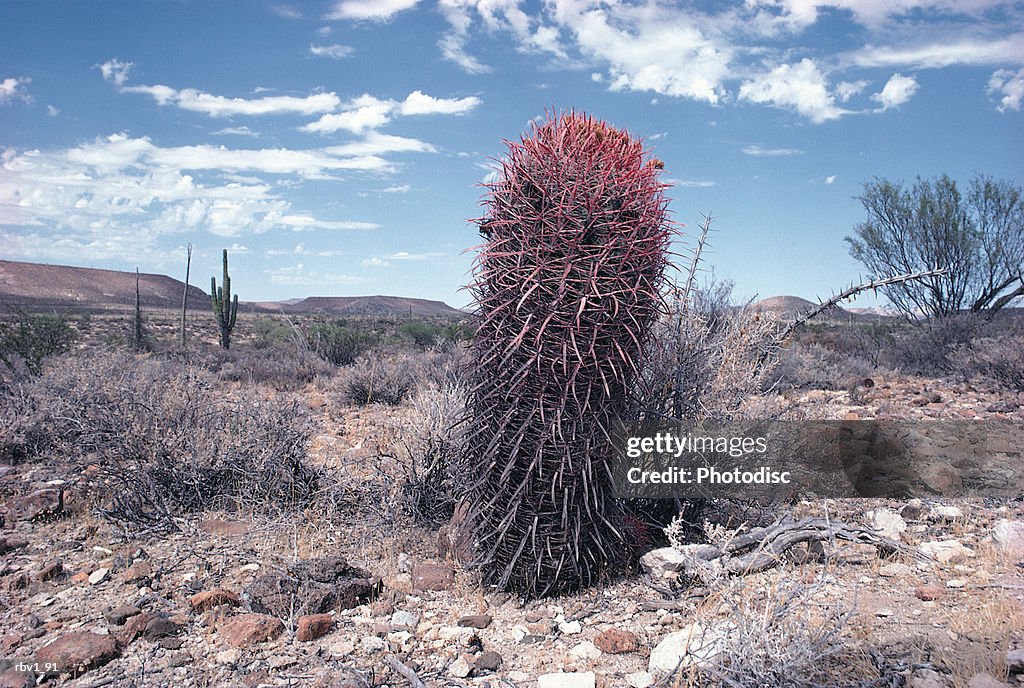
40 286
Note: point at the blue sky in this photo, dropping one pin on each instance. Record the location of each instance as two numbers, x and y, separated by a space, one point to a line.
338 148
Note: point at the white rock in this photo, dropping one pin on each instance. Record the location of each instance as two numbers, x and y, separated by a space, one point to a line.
401 641
926 678
248 568
585 679
1008 537
459 668
946 551
895 570
372 644
1015 661
405 618
585 650
956 583
695 644
570 627
944 513
458 634
229 657
640 679
98 576
342 647
888 523
986 681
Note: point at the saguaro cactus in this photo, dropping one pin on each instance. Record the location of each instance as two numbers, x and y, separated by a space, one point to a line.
225 308
567 289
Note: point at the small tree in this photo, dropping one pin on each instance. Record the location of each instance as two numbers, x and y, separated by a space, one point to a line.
979 239
225 309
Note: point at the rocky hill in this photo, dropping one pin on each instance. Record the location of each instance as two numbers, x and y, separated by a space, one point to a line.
364 305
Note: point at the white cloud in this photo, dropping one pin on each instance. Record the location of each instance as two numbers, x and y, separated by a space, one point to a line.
847 89
286 11
366 113
115 71
692 183
236 131
375 143
758 151
1011 85
335 52
375 263
299 276
373 10
13 88
397 188
405 255
220 106
530 32
831 179
942 53
52 111
418 103
897 90
800 86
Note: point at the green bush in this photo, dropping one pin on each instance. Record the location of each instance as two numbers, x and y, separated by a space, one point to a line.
31 338
340 343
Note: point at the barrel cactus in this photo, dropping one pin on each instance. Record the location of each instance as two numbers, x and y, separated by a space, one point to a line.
567 289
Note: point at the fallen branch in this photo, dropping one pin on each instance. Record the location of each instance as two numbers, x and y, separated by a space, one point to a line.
759 549
406 673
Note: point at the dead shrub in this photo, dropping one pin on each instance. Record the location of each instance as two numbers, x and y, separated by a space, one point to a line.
378 378
165 439
815 366
927 349
999 360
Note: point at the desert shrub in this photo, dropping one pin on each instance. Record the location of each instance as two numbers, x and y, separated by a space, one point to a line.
805 365
31 338
166 440
420 333
708 357
429 444
270 332
378 378
339 343
281 367
927 349
999 360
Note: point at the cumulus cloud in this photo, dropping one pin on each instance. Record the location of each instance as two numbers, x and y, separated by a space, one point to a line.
367 112
831 179
897 90
115 71
800 86
335 52
847 89
373 10
13 88
1010 85
531 33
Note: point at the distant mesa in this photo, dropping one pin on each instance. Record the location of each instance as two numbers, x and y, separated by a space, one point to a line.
36 286
790 307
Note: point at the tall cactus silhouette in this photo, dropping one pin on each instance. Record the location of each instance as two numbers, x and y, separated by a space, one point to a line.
567 289
225 307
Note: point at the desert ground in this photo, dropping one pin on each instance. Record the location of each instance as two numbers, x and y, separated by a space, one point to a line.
127 561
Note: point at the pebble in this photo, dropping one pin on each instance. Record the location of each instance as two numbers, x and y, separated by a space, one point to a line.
98 576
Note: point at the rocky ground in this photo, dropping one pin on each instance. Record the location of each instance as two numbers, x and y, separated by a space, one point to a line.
305 600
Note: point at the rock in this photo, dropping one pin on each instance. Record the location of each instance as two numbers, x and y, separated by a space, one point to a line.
570 628
640 679
78 652
118 615
888 523
432 577
913 510
946 514
488 660
316 586
895 570
1015 661
139 572
246 630
10 641
460 668
929 593
160 627
228 657
37 505
203 601
313 626
696 644
11 544
476 621
585 650
926 678
946 551
372 644
16 581
405 619
1008 537
956 583
12 678
50 571
615 641
134 627
667 561
98 576
585 679
986 681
